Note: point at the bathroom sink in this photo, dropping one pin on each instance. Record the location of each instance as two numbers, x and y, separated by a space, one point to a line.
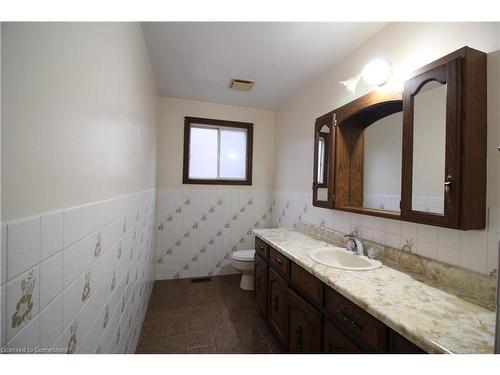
337 257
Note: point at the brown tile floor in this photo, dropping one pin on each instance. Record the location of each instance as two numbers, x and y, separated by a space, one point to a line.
207 317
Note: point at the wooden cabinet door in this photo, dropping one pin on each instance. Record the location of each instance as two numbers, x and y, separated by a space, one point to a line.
277 312
260 284
399 345
440 180
304 334
444 142
336 342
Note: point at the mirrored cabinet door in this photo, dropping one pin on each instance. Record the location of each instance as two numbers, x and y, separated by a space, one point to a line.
431 164
444 142
324 143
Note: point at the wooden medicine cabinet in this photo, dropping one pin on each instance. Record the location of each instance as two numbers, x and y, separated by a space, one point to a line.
417 155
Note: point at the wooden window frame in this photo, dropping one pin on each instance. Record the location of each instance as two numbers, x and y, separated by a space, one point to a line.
188 122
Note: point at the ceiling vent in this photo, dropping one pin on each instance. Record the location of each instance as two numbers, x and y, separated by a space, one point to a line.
241 84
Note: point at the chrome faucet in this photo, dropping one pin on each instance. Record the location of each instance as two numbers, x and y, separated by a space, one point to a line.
355 244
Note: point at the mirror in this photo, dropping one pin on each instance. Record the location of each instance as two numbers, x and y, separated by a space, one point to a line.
322 159
369 144
382 163
429 148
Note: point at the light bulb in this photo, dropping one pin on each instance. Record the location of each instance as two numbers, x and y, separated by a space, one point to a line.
376 72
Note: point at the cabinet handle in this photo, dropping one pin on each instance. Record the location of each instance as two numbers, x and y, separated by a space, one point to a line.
257 281
348 318
278 261
260 247
298 336
447 185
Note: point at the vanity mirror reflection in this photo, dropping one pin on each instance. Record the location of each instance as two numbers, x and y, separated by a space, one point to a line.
429 147
417 155
324 140
382 163
369 153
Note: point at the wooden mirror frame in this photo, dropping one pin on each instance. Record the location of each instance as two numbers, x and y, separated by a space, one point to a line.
328 177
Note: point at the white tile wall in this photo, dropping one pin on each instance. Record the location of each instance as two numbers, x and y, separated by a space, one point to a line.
64 271
474 250
198 229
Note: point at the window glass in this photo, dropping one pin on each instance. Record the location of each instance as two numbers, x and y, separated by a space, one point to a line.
233 153
203 152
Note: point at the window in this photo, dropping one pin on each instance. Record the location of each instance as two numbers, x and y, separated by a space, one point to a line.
217 152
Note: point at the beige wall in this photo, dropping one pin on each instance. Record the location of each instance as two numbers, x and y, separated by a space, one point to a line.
493 193
170 136
407 46
79 115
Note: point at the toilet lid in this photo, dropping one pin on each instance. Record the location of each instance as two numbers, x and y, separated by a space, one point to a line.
243 255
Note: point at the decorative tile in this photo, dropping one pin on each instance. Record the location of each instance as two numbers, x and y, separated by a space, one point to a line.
3 254
448 237
427 233
61 294
474 241
72 225
3 314
493 244
448 255
52 230
22 301
23 246
51 278
72 266
51 322
27 340
473 261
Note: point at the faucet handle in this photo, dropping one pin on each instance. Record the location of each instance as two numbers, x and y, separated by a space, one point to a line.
350 244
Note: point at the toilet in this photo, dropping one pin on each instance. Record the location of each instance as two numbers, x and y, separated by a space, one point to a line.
242 260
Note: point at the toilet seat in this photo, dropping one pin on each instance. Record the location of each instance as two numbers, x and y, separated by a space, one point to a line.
243 255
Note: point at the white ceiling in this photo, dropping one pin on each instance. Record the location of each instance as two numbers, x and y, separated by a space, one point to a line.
196 60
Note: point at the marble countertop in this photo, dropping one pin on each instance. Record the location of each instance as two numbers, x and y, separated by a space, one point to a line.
433 319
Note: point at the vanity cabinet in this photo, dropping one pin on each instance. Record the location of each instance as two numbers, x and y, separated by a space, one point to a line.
308 285
336 342
278 306
260 283
399 345
305 326
360 326
416 155
308 316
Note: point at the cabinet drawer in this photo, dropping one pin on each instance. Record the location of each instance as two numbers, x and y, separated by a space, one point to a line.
279 262
356 322
309 285
336 342
261 248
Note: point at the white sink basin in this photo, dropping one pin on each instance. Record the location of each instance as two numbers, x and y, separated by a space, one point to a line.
337 257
